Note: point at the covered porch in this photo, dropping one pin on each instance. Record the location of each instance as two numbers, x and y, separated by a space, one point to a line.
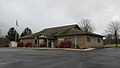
44 41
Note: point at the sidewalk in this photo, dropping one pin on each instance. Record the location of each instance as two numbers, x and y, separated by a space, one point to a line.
72 49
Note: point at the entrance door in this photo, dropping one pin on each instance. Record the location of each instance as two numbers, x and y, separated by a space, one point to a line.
51 43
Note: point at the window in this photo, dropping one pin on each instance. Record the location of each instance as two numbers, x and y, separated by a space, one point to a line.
88 39
40 40
35 41
98 40
61 39
67 39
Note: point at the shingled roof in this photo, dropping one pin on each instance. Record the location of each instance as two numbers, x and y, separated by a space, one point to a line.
60 31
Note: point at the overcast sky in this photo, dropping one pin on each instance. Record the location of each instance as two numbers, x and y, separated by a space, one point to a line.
39 14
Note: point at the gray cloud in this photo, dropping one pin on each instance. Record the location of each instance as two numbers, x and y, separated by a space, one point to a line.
38 14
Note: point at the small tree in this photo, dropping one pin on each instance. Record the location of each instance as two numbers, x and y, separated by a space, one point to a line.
12 34
114 29
27 31
86 25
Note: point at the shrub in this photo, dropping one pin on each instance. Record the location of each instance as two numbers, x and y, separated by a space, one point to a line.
61 44
66 44
56 46
42 45
28 44
6 45
20 44
77 46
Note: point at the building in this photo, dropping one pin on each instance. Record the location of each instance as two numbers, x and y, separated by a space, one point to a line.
57 36
4 42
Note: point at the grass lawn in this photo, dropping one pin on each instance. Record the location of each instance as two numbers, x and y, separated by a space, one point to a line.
114 46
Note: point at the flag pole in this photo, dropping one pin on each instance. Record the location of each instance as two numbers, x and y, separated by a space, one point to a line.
16 31
16 34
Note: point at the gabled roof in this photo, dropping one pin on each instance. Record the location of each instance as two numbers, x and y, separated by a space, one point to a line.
60 31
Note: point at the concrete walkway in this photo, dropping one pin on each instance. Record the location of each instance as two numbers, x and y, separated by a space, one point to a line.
72 49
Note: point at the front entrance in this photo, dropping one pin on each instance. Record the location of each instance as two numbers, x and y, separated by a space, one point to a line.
44 41
50 43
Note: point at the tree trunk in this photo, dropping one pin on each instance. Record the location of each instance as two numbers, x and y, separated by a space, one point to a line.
116 38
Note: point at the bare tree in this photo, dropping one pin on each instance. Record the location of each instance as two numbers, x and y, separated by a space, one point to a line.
114 29
86 25
108 39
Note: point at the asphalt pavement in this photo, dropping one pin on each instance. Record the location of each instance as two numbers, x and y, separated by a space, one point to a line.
32 58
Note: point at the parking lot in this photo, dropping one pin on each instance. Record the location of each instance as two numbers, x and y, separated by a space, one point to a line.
32 58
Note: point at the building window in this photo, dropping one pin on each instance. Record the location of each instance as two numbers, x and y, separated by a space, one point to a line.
88 40
41 41
67 39
60 39
98 40
35 41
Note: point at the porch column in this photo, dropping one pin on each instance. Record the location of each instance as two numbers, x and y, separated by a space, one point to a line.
47 43
37 43
52 44
75 41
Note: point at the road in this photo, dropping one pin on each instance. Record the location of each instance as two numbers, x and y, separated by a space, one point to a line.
31 58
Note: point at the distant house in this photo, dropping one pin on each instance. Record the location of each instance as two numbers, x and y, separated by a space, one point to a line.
64 36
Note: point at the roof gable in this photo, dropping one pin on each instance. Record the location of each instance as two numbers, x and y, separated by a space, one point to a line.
60 31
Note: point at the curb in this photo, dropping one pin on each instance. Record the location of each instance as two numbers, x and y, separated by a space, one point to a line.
68 49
